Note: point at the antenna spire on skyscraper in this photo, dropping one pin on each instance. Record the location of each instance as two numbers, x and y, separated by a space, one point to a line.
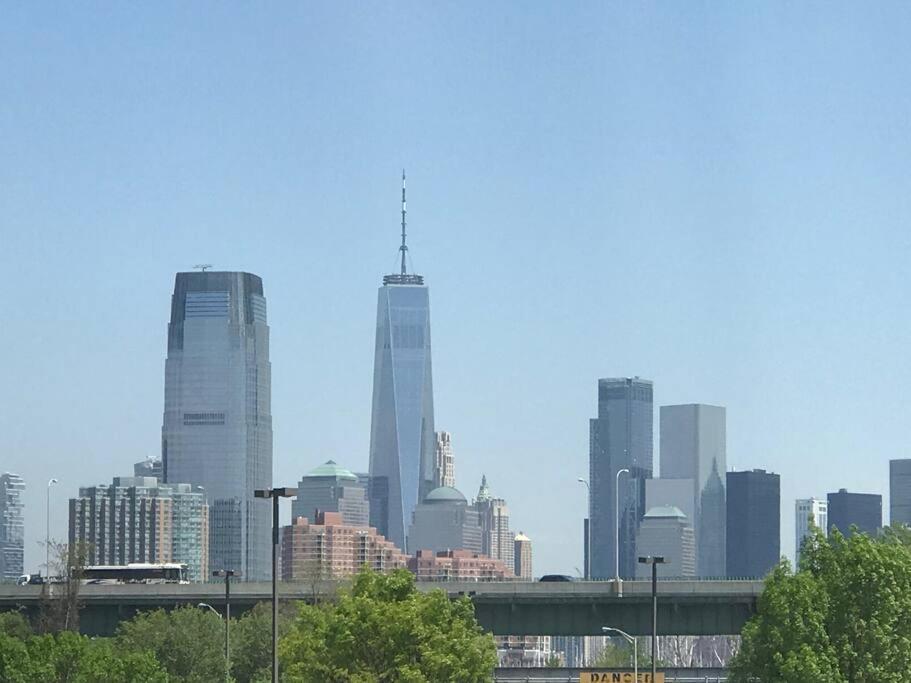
403 277
404 247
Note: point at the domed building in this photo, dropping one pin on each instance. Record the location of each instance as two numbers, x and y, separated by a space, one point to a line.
445 521
332 488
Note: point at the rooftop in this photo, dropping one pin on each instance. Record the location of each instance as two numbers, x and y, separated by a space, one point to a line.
331 469
664 511
445 494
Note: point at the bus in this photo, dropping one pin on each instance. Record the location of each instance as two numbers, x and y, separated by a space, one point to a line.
168 572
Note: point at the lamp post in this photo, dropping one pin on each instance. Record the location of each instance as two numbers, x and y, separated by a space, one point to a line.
47 535
617 528
275 494
654 561
630 639
227 573
588 532
206 605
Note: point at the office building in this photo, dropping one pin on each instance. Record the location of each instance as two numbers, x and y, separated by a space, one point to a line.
808 512
332 488
457 565
139 519
861 510
150 467
329 548
523 651
217 429
753 523
402 440
900 492
445 521
443 461
12 526
693 447
620 437
666 532
497 541
522 564
676 493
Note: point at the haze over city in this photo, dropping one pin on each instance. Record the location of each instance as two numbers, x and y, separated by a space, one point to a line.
713 201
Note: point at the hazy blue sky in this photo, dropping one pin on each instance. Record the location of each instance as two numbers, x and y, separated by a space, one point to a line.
713 196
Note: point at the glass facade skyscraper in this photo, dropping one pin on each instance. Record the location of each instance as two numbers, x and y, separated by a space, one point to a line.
620 437
900 491
217 430
12 525
693 447
753 523
861 510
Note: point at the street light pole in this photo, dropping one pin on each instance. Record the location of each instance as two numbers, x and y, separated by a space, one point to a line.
654 561
617 528
47 535
275 494
227 573
629 638
588 532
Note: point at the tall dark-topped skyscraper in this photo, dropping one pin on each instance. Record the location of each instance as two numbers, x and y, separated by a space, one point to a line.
217 430
900 491
620 437
753 523
693 448
402 438
863 510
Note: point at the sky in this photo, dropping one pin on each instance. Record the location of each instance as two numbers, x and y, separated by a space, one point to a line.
713 196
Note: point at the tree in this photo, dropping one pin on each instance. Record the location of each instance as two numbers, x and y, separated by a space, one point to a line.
60 602
251 641
15 624
384 630
187 641
842 618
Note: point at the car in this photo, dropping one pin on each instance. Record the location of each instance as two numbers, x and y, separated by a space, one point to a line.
554 578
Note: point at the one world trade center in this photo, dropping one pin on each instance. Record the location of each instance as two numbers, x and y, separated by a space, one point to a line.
401 433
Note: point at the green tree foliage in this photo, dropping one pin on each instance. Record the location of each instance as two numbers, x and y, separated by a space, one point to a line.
15 624
70 658
384 630
845 617
188 642
251 641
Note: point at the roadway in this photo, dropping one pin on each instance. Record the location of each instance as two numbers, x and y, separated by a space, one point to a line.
503 608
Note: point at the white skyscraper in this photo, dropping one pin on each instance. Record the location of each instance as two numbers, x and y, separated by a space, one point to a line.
443 461
12 525
807 511
217 429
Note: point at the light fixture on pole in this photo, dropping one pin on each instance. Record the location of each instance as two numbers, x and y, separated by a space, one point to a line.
654 561
47 535
275 494
617 529
227 573
588 532
630 639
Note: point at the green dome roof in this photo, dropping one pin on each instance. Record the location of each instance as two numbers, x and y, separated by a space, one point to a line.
445 494
331 469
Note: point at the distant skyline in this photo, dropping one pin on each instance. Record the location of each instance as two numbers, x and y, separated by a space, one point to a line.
711 196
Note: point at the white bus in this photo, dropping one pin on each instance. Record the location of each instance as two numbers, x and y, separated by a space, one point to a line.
138 572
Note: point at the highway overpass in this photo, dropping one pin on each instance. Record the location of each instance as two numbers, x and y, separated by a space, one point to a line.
504 608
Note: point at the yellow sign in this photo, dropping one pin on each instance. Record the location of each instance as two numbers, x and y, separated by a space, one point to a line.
619 677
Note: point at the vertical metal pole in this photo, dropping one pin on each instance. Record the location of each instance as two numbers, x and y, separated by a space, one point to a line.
274 587
47 535
654 617
617 529
227 626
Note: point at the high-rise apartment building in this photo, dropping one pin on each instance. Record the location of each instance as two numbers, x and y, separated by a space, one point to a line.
445 521
139 519
332 488
620 437
900 492
329 548
753 523
150 467
808 512
693 447
497 541
443 461
12 525
861 510
522 555
666 532
402 438
217 430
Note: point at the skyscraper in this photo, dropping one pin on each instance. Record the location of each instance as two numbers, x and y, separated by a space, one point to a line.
900 491
863 510
693 447
807 511
620 437
332 488
497 541
443 461
150 467
445 521
12 525
666 532
217 430
753 523
522 557
401 433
